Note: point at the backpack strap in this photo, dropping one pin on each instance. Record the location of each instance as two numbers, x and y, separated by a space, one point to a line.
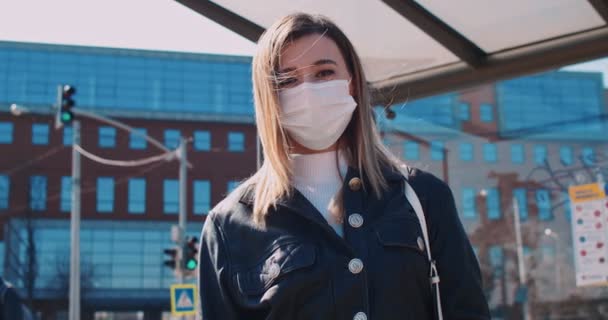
413 199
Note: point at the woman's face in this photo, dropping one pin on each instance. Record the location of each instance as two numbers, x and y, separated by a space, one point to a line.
311 58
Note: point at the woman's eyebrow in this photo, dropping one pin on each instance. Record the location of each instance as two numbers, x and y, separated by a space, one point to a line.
316 63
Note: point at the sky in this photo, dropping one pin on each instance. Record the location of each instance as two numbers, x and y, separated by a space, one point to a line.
137 24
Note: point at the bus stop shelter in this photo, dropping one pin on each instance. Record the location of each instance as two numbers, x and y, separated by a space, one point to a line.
413 49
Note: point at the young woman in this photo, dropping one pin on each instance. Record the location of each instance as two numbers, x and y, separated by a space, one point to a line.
323 229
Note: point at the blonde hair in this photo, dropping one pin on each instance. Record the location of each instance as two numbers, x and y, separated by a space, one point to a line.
361 143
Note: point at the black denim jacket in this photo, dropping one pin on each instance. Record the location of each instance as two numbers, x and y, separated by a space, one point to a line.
299 268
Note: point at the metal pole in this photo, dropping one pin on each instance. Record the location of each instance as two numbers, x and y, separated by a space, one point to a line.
520 259
183 166
74 311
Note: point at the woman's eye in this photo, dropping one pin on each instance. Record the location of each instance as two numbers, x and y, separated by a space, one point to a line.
284 83
325 73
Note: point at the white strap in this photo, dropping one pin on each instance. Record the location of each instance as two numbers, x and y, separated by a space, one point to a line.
412 198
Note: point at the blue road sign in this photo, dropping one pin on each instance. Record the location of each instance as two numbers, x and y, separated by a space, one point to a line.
183 299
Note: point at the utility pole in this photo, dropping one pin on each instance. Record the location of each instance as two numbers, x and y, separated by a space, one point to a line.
74 311
523 286
183 182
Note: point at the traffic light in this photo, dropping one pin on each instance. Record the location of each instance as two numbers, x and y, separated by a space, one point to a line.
66 103
173 256
190 254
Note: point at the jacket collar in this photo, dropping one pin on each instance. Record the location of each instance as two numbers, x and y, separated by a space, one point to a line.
390 174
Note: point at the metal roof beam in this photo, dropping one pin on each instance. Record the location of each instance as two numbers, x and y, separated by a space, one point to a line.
437 29
601 6
226 18
512 63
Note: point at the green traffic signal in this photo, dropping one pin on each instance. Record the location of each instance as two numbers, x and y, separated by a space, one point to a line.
191 264
66 116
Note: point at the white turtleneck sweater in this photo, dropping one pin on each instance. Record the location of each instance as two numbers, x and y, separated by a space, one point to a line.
318 179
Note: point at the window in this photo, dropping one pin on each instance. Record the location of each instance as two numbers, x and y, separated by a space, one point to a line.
6 132
236 141
543 202
436 150
202 196
65 204
107 137
105 194
170 196
232 185
68 133
411 150
566 201
540 154
496 259
202 140
490 152
172 138
136 139
486 112
38 193
493 204
468 203
522 202
588 156
466 151
518 155
5 186
566 155
40 134
137 195
464 111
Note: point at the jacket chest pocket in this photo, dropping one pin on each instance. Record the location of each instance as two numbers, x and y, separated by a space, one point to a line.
402 246
277 263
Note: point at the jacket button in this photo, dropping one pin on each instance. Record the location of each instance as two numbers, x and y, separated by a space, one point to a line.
360 316
355 266
355 220
354 184
420 244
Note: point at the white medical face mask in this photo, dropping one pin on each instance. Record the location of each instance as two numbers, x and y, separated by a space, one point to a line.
316 114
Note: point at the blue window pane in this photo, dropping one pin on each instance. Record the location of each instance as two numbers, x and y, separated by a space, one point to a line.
566 155
5 185
493 204
543 202
6 132
40 134
486 113
236 141
105 194
137 195
232 185
202 196
518 155
170 196
66 194
466 151
107 137
172 138
202 140
38 193
68 133
468 203
496 259
490 152
566 201
437 150
588 157
540 154
411 150
465 111
136 139
522 202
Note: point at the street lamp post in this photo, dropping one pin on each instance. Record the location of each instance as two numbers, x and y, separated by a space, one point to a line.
558 281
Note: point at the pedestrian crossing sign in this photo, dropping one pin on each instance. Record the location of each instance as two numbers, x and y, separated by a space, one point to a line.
183 299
